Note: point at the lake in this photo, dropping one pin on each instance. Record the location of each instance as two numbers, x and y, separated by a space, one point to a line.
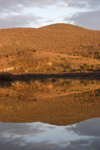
54 114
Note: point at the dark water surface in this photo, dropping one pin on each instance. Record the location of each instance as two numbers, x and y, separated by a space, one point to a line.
40 136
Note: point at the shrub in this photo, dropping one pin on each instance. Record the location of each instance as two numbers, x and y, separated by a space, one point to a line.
8 56
85 66
34 50
85 83
64 66
92 66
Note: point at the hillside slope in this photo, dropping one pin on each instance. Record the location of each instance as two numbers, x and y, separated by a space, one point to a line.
60 38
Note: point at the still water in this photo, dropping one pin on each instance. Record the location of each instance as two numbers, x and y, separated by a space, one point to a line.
40 136
53 114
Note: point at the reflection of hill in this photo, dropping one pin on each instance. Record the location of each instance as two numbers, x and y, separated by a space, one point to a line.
30 86
53 101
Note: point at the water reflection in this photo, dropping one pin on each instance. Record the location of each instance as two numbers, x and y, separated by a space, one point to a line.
52 101
40 136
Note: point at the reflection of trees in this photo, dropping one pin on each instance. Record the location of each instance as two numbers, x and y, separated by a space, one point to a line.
8 78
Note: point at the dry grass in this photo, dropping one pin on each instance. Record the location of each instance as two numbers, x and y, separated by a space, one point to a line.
36 62
60 38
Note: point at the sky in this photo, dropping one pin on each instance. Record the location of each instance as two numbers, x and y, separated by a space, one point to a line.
38 13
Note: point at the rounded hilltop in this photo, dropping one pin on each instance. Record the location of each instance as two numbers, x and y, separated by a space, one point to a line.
59 38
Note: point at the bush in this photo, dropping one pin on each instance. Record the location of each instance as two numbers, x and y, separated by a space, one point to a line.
85 83
64 66
85 66
34 50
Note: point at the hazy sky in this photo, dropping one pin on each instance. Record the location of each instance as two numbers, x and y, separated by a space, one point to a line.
37 13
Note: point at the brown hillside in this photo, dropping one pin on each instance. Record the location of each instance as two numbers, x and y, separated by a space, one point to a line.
60 38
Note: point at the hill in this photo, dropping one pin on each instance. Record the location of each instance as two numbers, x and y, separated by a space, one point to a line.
59 38
50 49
